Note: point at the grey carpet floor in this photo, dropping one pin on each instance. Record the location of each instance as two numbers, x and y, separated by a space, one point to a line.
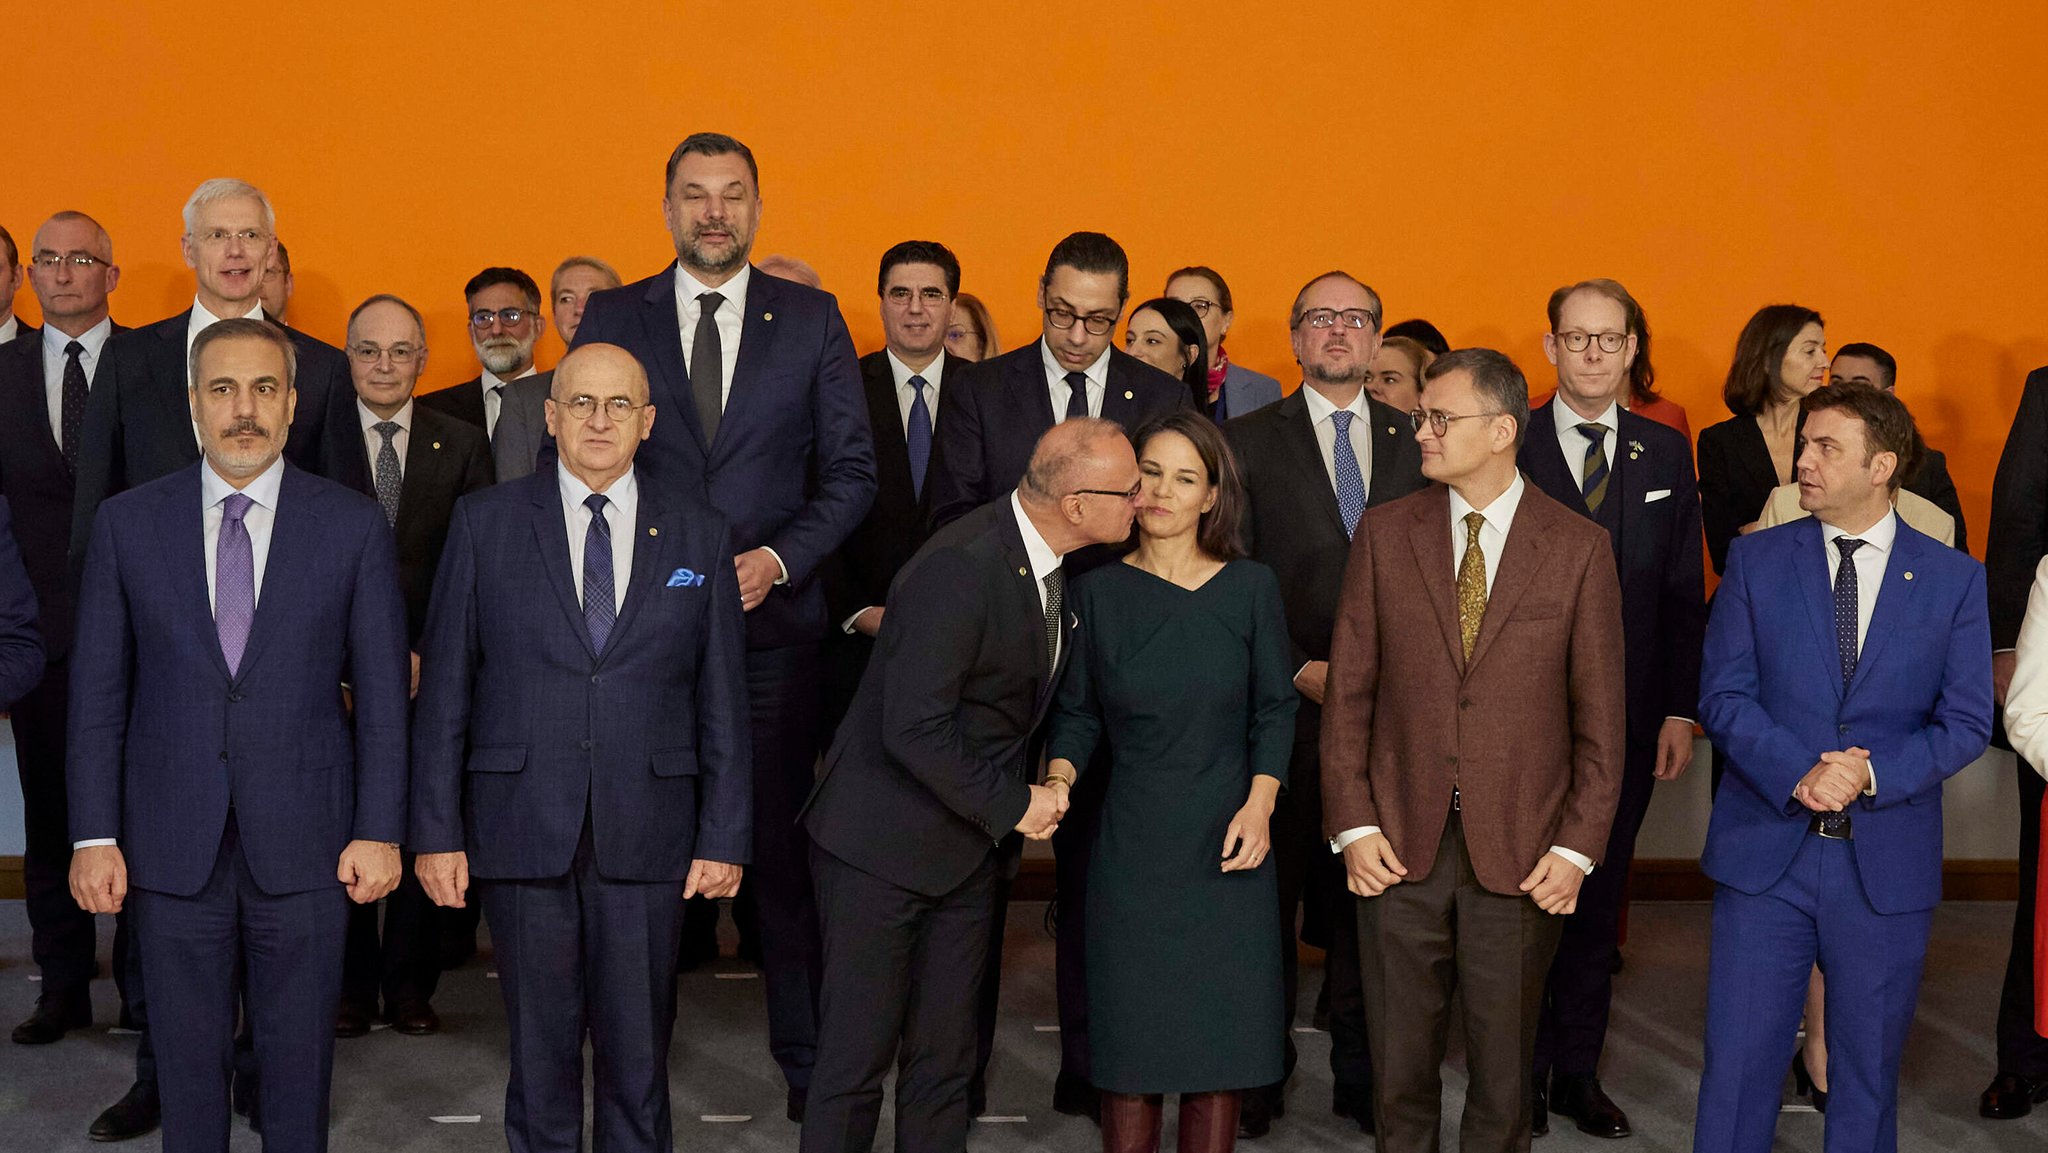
411 1095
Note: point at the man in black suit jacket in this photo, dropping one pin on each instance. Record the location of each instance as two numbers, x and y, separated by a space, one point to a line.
432 460
1634 477
502 306
1305 490
72 270
11 327
1868 364
764 421
927 779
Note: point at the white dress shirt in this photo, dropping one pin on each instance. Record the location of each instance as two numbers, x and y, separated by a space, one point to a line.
11 328
1320 410
1056 381
92 340
731 319
2026 702
1871 561
1573 443
373 441
621 516
1043 560
494 399
906 394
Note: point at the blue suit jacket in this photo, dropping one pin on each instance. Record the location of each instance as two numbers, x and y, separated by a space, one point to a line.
794 465
520 729
1771 699
1245 391
163 740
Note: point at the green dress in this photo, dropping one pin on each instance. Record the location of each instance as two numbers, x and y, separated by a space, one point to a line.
1192 693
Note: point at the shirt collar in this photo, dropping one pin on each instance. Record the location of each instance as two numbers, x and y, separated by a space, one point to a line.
1500 514
491 380
1568 420
903 372
94 338
213 489
622 492
689 288
1043 559
1878 538
203 319
402 418
1320 409
1097 373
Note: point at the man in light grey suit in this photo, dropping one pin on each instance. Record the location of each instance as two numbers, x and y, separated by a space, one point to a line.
522 426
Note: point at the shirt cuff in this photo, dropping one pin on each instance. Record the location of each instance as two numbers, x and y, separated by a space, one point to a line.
846 626
1870 790
1344 839
784 578
1687 720
95 843
1584 862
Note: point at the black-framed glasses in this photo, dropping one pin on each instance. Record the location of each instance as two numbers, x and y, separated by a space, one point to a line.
583 407
507 317
1063 318
1331 318
84 262
1440 422
1131 495
1576 341
371 354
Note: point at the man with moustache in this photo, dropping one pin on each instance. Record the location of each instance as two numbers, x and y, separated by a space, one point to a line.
506 397
767 425
217 777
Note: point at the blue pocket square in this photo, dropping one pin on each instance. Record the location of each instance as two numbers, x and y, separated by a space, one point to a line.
684 578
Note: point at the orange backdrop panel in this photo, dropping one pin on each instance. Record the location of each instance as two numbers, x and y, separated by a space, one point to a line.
1883 163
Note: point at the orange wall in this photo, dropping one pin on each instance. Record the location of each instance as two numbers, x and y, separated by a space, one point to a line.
1882 162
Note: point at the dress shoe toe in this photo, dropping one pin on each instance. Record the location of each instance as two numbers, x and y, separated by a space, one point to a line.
2011 1096
794 1107
54 1017
414 1019
351 1021
132 1116
1539 1115
1588 1105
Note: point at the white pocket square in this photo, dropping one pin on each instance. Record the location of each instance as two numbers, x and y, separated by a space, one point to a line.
1656 495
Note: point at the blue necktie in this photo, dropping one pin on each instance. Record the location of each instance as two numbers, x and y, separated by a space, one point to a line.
599 611
1350 481
234 581
918 437
1833 824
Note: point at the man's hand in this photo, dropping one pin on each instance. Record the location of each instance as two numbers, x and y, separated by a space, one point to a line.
370 869
869 622
758 573
415 691
99 878
713 879
1835 781
1554 885
1313 678
445 877
1674 749
2002 667
1370 865
1043 817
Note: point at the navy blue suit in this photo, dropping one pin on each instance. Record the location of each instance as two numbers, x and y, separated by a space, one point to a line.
1772 699
582 785
21 649
232 797
792 469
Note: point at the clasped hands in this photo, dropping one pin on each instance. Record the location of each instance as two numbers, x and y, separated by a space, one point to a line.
1048 804
1371 868
99 874
1835 781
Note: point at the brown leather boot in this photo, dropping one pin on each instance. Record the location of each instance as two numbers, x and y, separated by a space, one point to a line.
1131 1122
1208 1121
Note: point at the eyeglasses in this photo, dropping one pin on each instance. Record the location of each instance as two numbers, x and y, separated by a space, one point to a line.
216 237
1095 323
506 317
584 407
1131 495
962 334
1610 342
1329 317
1201 305
371 354
1440 422
74 259
901 294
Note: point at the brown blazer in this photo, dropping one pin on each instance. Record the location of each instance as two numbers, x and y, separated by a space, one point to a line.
1530 733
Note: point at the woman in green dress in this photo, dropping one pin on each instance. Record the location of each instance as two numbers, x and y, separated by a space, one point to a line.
1181 669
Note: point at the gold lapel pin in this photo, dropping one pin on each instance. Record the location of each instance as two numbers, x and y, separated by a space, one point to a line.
767 316
1909 576
1391 432
437 444
652 531
1128 394
1023 572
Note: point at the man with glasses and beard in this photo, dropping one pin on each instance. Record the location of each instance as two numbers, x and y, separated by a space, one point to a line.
506 398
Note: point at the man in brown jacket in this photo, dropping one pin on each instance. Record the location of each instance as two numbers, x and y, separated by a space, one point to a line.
1472 752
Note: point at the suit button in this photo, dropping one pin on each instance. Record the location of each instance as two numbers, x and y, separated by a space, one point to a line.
1466 703
1844 729
235 698
583 744
596 680
1451 760
223 758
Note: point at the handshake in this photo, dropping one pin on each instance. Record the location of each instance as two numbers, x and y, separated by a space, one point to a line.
1048 805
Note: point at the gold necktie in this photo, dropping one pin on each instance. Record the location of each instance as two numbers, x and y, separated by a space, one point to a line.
1471 584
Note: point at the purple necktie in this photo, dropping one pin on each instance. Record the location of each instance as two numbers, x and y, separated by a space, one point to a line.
234 581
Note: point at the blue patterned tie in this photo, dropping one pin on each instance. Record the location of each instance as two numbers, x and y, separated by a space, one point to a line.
599 610
234 581
918 437
1833 824
1350 481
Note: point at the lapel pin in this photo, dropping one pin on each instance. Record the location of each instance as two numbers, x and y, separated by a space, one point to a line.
652 531
1391 432
1023 572
437 444
1128 394
1909 575
767 316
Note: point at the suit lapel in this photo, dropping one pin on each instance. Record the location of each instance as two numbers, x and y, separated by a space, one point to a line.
1757 456
294 537
182 537
1307 454
1520 559
551 535
168 364
1430 537
1119 399
757 344
29 408
653 529
427 464
1894 598
669 381
1032 398
892 455
1387 431
1545 460
1811 571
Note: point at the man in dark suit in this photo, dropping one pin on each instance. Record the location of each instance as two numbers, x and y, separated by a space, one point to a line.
251 803
415 462
1472 753
276 291
1633 477
2018 539
1312 464
581 752
43 388
1863 363
767 425
11 327
503 309
1841 711
927 779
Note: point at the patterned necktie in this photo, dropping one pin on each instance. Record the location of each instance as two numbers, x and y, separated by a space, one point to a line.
1835 824
1055 587
1471 584
600 610
1350 480
71 414
707 366
1077 395
918 437
1594 487
390 480
234 581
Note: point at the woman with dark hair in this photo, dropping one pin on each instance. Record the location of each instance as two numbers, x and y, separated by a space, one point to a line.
1182 670
1166 334
1643 397
1233 389
1780 357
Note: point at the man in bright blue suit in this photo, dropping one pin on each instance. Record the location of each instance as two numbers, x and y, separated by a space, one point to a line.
581 751
767 422
1847 674
216 771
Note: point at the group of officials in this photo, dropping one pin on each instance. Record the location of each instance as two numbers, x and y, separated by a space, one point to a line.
717 606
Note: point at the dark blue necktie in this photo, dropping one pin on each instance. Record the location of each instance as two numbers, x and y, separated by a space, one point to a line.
918 436
1350 480
1846 605
599 611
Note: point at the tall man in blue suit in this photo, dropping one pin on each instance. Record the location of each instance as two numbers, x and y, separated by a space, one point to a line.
581 749
215 769
768 425
1841 711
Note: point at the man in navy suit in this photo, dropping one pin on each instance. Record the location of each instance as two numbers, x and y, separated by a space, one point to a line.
11 327
582 751
767 425
252 802
1841 711
1634 478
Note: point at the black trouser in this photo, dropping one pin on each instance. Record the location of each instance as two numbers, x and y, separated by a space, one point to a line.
1310 874
61 933
2020 1049
405 964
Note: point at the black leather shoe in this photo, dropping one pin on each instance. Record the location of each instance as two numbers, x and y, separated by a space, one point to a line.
1255 1114
351 1020
54 1017
1076 1098
242 1096
977 1097
1539 1115
794 1108
414 1019
132 1116
1584 1101
1354 1104
2011 1095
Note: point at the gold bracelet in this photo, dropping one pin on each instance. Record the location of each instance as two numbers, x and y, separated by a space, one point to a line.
1060 778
